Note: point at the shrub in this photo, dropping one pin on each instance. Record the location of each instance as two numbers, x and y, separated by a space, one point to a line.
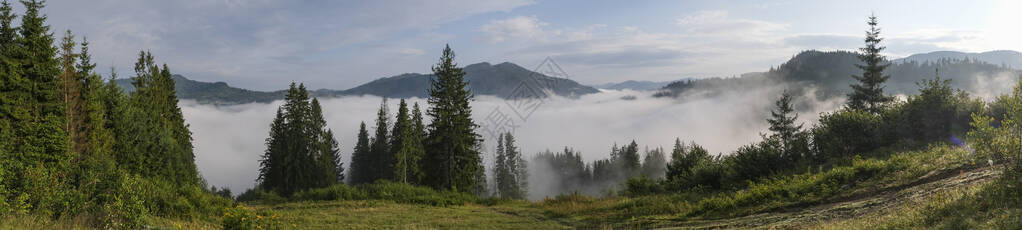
380 190
333 192
405 193
241 217
259 195
846 132
641 186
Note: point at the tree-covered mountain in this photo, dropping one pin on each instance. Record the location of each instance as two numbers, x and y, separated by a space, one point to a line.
831 73
998 57
217 93
637 85
483 79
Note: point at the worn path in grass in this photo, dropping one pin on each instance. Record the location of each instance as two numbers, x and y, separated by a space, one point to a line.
850 206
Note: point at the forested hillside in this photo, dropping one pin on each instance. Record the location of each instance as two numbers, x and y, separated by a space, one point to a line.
830 73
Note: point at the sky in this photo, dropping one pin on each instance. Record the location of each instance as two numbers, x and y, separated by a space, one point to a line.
265 44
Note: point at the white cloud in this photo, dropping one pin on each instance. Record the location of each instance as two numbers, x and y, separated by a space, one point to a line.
521 27
718 23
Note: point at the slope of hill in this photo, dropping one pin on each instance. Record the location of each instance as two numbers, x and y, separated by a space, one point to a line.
997 57
483 79
831 73
217 93
637 85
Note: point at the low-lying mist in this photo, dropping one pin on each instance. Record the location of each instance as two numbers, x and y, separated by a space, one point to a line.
229 140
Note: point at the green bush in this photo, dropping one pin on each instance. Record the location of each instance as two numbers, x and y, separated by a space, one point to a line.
259 195
380 190
405 193
243 218
642 186
847 132
334 192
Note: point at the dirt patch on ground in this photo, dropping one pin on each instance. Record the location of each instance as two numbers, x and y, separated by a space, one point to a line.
852 206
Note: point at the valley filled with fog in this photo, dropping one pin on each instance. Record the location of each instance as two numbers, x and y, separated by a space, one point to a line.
229 140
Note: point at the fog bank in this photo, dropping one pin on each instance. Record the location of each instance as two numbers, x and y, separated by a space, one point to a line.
230 139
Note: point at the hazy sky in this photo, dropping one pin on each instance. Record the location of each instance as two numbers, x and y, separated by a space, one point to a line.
263 44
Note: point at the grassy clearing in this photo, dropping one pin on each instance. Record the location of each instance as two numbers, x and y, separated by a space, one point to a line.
968 207
375 214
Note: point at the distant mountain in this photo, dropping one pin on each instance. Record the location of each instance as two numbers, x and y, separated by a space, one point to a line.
997 57
483 79
831 73
636 85
217 93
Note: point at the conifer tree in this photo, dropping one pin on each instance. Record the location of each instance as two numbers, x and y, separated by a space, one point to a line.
361 167
654 164
407 146
629 159
158 142
510 173
868 93
41 124
452 158
782 119
301 153
71 92
379 146
96 137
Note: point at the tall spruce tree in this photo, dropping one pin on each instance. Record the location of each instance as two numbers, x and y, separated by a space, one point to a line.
301 153
40 121
361 161
629 159
868 94
510 173
72 82
379 146
96 137
159 144
452 158
325 148
406 145
654 164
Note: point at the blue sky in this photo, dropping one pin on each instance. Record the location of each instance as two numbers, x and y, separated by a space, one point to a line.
264 45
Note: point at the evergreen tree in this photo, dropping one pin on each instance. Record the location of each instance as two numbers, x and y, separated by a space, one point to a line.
301 153
39 111
379 146
629 159
452 158
407 145
361 167
684 159
868 93
96 137
70 91
158 142
326 149
654 164
782 120
510 173
501 176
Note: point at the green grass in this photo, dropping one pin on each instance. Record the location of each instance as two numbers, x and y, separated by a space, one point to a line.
969 207
376 214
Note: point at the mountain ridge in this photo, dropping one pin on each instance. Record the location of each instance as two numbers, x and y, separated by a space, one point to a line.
483 78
